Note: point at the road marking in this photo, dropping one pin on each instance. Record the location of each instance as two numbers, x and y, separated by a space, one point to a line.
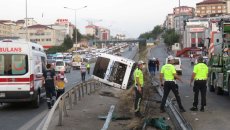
29 124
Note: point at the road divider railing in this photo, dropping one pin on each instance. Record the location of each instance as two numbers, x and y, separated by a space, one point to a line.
67 100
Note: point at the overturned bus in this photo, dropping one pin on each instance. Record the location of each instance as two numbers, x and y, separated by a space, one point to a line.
114 70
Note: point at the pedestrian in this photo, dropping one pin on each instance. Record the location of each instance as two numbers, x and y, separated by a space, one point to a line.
49 80
139 84
88 67
157 64
83 71
60 83
152 66
199 76
168 71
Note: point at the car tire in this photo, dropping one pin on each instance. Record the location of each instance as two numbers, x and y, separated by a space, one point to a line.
36 101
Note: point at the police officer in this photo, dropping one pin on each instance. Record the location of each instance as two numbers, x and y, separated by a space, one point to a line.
139 82
88 68
200 75
49 79
168 71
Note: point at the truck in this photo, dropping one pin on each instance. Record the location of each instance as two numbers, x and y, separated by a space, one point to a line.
219 63
77 60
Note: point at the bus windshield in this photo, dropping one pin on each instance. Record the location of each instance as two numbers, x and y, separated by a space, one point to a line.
13 64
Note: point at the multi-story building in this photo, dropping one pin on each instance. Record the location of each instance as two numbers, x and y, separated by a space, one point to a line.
228 6
30 22
43 35
211 8
8 28
169 23
100 33
182 14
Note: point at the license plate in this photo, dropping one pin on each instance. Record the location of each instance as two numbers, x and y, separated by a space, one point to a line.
2 94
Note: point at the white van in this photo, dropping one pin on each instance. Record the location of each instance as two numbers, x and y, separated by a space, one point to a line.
21 70
177 64
114 70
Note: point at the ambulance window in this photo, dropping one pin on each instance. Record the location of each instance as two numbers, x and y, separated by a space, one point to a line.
19 64
101 67
13 64
2 66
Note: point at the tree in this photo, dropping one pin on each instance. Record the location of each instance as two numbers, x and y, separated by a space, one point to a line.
74 35
68 42
171 37
152 34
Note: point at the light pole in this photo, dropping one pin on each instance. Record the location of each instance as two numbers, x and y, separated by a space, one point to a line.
75 12
26 23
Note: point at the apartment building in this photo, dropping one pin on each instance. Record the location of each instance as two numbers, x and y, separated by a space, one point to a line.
182 14
43 35
8 28
169 23
100 33
211 8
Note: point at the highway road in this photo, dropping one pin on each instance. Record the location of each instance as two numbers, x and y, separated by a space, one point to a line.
22 116
216 115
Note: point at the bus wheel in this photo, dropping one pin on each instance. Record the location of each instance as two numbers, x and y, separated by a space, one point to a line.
218 90
36 101
211 87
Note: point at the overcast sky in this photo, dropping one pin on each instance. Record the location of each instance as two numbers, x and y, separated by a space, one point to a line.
130 17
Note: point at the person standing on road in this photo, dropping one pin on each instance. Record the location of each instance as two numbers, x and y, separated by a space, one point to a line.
83 71
157 64
61 80
139 83
49 79
152 66
168 71
200 75
88 67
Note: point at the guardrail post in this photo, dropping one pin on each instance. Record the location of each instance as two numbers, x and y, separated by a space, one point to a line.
75 95
64 108
82 88
90 85
70 100
79 92
86 88
60 107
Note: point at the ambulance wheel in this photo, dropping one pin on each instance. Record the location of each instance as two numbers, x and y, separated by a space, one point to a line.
36 101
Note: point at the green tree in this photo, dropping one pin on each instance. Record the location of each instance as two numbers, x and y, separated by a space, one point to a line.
171 37
74 35
152 34
68 42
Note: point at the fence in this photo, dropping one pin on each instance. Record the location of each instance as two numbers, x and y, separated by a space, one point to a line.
68 99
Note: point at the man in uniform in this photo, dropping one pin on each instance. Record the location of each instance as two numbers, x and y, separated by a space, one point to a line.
49 79
168 71
88 67
200 75
139 82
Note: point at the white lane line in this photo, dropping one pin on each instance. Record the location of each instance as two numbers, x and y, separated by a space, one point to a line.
29 124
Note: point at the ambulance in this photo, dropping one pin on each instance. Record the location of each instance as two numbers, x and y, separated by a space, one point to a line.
21 70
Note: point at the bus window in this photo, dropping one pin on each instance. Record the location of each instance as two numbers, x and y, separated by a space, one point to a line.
118 73
101 67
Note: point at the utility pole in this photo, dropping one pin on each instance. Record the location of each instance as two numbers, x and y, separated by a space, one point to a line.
26 23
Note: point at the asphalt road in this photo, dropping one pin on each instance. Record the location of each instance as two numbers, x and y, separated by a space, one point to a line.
22 116
216 115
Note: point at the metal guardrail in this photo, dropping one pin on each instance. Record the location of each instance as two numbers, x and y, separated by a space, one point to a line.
70 98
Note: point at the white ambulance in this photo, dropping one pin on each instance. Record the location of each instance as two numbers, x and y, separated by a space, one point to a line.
21 70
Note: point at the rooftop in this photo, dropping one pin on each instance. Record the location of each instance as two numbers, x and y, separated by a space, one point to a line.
211 2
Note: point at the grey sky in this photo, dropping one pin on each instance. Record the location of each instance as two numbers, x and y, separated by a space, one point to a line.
130 17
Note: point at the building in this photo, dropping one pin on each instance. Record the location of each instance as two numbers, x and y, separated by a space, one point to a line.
43 35
208 8
22 23
228 6
169 21
182 14
8 28
100 33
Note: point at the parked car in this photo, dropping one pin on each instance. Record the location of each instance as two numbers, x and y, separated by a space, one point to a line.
60 65
177 64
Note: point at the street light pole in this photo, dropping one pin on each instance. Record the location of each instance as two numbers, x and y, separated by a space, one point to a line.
75 17
26 23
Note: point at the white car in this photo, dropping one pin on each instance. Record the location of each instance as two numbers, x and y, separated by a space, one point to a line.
60 65
177 64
